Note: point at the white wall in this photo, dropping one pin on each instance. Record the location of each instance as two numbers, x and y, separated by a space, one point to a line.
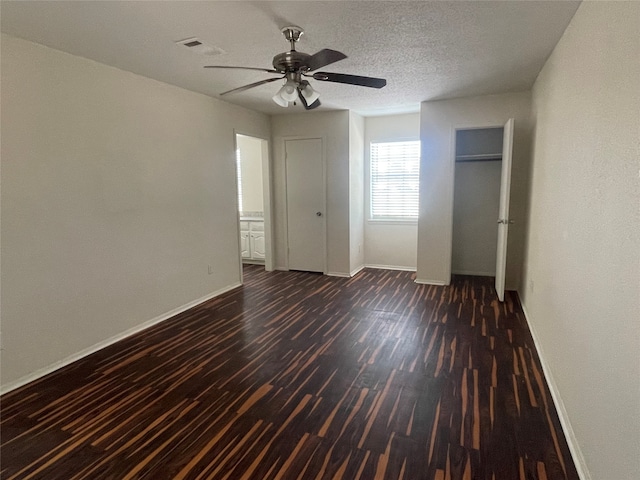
438 119
333 127
117 193
251 173
389 244
356 191
581 288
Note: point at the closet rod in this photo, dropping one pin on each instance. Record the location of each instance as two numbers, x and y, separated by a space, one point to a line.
483 157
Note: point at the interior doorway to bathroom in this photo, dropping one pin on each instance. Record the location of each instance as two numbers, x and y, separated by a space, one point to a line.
254 200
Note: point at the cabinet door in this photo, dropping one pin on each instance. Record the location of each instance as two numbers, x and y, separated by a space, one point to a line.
257 245
245 247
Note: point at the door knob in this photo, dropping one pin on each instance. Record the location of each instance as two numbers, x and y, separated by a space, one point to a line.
318 214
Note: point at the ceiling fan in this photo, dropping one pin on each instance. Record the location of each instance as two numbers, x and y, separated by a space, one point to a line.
296 67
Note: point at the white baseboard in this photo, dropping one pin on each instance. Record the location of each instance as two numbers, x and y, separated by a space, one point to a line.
391 267
474 273
338 274
330 274
572 441
357 271
31 377
422 281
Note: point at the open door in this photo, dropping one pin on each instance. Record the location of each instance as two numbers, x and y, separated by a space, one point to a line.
503 215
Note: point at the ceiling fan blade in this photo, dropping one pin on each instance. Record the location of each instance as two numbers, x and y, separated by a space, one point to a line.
244 68
350 79
251 85
306 106
324 57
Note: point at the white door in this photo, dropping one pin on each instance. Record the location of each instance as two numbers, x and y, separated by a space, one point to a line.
503 212
305 204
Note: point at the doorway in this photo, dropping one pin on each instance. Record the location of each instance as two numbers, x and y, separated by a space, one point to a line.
305 184
482 179
476 201
254 200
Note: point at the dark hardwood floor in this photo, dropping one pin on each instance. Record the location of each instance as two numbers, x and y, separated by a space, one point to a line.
302 376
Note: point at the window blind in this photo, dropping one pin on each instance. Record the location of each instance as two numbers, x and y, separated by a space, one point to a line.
395 170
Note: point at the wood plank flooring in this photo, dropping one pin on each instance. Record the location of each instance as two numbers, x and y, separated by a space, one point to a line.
302 376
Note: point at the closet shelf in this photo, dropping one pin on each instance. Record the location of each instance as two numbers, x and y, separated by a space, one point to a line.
482 157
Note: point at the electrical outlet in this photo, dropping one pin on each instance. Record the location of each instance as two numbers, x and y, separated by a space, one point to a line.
210 269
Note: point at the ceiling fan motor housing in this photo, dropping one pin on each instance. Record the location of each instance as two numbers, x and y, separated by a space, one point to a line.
292 61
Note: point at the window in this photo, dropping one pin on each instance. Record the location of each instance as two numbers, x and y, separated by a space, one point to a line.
395 169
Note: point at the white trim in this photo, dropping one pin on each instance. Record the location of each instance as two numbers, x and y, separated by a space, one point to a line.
439 283
452 184
357 271
391 267
572 441
338 274
31 377
267 199
474 273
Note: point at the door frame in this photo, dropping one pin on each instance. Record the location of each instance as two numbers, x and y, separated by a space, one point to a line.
267 200
285 219
452 165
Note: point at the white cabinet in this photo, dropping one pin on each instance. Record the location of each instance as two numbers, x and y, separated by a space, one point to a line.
245 249
252 243
256 233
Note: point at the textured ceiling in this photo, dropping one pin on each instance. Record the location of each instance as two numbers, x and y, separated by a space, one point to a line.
425 49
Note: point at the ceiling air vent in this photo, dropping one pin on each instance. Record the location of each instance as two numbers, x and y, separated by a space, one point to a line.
197 46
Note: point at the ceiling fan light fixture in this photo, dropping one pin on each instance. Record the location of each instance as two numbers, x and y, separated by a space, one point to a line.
280 101
309 94
289 91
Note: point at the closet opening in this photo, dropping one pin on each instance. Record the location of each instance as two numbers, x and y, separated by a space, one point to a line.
476 203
